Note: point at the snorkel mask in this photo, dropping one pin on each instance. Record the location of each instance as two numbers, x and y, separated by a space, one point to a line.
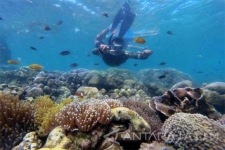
116 44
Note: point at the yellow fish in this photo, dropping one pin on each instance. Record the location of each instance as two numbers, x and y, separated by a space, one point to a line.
35 67
139 40
13 62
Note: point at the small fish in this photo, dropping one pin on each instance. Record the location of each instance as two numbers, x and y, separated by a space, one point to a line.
80 94
35 67
33 48
47 28
64 53
88 55
1 18
41 37
96 64
13 62
73 65
59 22
170 32
162 63
135 64
105 14
162 76
199 71
139 40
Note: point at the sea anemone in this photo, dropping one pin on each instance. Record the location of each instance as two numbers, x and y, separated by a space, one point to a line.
86 114
16 119
45 110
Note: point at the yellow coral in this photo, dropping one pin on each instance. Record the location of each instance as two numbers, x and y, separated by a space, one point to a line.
123 113
45 110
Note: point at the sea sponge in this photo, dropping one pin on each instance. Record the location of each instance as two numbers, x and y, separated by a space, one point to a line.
85 115
193 131
45 110
16 119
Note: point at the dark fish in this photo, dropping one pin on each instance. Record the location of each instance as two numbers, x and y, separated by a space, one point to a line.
170 32
105 14
33 48
96 64
135 64
162 76
88 55
162 63
73 65
41 37
199 71
63 53
59 22
47 28
1 18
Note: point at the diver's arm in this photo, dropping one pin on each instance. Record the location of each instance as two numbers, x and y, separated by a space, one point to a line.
140 55
136 47
100 37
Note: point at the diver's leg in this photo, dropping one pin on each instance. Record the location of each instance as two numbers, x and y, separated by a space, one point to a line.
126 23
116 20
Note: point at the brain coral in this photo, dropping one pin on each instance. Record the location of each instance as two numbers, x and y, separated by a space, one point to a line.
193 131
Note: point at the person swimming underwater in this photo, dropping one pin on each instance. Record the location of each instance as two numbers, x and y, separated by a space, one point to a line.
114 53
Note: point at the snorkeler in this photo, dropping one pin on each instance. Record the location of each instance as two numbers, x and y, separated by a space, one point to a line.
114 54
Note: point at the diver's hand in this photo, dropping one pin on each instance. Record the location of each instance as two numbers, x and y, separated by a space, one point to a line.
144 54
104 48
147 52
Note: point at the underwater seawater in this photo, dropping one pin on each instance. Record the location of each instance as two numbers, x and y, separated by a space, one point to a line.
46 49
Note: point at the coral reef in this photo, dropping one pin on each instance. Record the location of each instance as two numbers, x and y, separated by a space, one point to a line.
189 100
215 95
85 115
182 84
151 76
13 90
45 110
88 92
143 110
139 124
30 141
222 120
155 146
57 139
16 119
193 131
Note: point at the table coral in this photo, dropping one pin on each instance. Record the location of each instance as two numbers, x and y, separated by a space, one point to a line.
193 131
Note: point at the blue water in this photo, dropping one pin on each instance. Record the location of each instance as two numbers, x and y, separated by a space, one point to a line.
197 44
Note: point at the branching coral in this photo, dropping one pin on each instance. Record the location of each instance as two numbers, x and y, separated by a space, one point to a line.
16 119
45 110
86 114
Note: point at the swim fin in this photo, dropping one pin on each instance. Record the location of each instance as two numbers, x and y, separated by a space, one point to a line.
128 20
